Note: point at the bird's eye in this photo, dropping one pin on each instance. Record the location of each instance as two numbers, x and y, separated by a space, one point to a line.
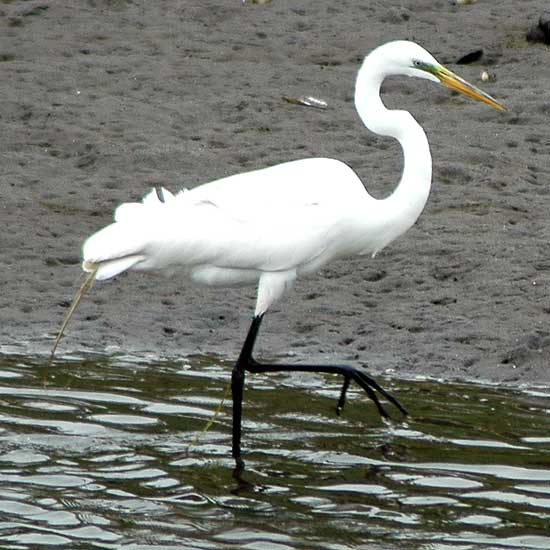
417 63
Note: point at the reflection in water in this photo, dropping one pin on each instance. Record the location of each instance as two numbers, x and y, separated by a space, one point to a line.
106 456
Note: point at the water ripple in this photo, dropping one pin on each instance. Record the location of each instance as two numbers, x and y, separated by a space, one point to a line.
113 454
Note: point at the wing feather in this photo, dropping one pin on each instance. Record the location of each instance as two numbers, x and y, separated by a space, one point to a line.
275 219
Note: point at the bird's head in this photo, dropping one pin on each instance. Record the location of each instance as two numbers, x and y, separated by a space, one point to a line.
403 57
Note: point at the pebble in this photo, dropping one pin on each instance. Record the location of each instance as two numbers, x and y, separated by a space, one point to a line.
541 31
486 76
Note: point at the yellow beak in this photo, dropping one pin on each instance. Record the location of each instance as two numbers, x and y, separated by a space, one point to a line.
454 82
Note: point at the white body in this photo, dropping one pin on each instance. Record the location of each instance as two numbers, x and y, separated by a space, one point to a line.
271 225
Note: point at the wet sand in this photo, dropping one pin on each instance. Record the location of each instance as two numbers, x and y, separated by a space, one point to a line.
103 100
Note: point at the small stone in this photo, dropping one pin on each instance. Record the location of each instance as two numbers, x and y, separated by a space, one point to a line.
541 31
544 24
535 34
487 76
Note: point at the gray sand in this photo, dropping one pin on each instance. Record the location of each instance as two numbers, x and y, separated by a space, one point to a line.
103 100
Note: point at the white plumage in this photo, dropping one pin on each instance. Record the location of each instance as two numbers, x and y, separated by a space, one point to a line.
276 224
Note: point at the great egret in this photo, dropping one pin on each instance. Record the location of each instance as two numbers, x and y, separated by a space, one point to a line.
270 226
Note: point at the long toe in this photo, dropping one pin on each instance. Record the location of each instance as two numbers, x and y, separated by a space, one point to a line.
370 386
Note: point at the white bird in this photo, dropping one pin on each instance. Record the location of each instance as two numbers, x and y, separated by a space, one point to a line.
268 227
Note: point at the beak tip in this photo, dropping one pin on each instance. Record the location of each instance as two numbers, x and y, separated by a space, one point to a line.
454 82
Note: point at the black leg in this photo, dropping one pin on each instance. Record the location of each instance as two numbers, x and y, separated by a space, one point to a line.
247 363
237 383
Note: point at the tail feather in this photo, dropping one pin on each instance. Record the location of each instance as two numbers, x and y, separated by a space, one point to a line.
164 231
113 249
120 246
111 268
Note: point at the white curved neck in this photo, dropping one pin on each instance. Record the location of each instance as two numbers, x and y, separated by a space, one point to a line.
403 207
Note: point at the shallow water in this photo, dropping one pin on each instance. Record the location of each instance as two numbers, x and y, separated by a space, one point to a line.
105 456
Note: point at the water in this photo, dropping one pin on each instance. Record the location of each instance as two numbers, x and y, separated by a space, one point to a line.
105 456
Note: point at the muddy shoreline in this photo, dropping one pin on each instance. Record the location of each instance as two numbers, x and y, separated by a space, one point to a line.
105 99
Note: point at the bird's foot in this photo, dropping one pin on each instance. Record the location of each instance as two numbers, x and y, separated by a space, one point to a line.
349 373
370 386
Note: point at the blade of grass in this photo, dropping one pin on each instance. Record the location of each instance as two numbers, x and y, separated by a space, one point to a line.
86 286
212 420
